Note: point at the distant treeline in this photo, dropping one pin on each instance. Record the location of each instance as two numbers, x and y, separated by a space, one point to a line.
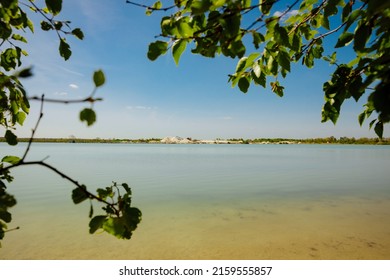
327 140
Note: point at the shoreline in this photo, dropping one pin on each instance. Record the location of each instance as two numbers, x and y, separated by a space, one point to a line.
218 141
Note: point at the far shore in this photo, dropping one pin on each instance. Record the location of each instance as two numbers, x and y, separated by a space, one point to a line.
235 141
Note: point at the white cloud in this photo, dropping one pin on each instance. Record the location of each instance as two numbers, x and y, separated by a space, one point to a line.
74 86
287 15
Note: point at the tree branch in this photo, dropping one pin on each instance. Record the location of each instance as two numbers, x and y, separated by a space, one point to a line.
34 129
88 99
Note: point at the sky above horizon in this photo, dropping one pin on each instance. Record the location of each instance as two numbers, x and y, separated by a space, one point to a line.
145 99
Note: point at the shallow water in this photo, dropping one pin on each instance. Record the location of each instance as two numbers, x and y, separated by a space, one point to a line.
209 202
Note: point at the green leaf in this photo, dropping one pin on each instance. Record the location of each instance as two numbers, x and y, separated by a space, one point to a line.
116 227
258 38
296 42
78 33
344 39
372 123
11 159
96 223
126 187
156 49
5 216
361 118
379 129
177 49
277 88
259 80
362 35
352 18
46 26
79 194
90 211
157 5
243 84
19 38
99 78
64 49
88 115
54 6
241 64
283 59
20 117
25 73
256 69
281 35
266 6
11 138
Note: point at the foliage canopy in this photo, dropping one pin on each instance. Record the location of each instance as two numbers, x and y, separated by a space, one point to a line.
267 36
118 217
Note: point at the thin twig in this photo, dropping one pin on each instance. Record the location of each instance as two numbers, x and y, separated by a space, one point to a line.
51 100
34 129
150 7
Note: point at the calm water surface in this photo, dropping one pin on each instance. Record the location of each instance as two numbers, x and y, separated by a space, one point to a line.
208 202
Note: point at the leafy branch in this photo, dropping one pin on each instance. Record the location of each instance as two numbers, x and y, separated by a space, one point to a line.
281 38
119 218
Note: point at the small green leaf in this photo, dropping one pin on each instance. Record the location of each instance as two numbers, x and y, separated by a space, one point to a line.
258 38
283 59
5 216
11 159
54 6
116 227
265 6
177 49
126 187
64 49
46 26
88 115
344 39
157 5
256 69
277 88
78 33
99 78
11 138
90 211
362 35
241 64
372 123
379 129
79 194
25 73
281 35
96 223
243 84
156 49
20 117
361 118
19 38
259 80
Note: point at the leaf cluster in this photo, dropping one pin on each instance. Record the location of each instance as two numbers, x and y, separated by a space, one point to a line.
119 218
14 23
6 200
280 38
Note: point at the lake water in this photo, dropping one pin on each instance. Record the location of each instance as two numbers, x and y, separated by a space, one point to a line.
208 202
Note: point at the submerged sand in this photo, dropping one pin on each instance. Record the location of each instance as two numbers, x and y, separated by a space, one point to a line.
318 228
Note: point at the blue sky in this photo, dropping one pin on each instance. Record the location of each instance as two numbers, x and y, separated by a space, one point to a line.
144 99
